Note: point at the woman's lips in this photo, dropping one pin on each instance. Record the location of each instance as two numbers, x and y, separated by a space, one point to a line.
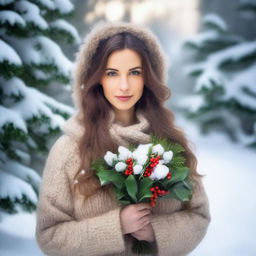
123 98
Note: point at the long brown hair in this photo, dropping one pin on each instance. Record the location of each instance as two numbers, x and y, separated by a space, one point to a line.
96 139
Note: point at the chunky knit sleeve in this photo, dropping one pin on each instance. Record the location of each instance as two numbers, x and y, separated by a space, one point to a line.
57 231
179 233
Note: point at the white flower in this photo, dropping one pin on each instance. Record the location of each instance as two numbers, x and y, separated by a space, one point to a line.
143 148
142 159
140 154
137 169
120 166
167 156
124 153
158 149
161 162
110 158
159 172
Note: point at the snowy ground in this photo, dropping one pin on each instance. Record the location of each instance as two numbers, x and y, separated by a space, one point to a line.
230 184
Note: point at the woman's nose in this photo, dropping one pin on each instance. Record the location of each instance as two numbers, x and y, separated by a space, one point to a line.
124 84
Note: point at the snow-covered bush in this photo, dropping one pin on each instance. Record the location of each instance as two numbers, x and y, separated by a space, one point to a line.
224 67
30 61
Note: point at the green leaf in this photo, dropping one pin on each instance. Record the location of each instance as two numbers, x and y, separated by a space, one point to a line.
182 193
99 164
177 175
188 184
119 193
144 189
131 187
107 176
126 202
180 174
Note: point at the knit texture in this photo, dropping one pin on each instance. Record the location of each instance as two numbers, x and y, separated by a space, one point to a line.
69 226
104 30
66 225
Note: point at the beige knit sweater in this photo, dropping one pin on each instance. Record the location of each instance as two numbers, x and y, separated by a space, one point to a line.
68 227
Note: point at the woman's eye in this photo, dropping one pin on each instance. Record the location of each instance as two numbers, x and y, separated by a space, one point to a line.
135 72
111 73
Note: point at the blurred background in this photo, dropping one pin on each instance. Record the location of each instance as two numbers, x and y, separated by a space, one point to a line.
211 50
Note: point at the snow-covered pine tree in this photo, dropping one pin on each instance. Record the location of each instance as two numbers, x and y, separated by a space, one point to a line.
224 68
30 61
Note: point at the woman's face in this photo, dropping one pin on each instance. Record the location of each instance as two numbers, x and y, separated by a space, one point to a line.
123 81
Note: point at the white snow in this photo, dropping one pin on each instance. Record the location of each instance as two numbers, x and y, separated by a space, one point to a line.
216 20
47 3
233 87
193 102
208 78
233 53
63 6
230 185
15 188
17 235
9 54
10 116
22 110
5 2
64 25
31 13
202 38
229 182
23 172
12 18
231 82
41 50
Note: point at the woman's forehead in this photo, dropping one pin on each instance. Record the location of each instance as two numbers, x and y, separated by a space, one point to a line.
125 58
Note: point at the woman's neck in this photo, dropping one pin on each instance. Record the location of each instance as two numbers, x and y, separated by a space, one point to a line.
125 117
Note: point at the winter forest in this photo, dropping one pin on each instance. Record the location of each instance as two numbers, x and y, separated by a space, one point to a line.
211 52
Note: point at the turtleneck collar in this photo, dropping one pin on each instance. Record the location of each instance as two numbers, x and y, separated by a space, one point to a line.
123 135
131 134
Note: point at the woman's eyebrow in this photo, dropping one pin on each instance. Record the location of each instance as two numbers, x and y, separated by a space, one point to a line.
117 69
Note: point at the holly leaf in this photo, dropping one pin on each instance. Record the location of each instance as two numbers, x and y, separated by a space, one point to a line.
183 193
144 189
107 176
125 202
177 176
131 187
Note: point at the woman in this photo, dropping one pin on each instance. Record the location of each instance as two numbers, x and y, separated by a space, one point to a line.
119 91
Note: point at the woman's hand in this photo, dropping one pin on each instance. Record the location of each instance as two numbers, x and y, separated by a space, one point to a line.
134 217
146 233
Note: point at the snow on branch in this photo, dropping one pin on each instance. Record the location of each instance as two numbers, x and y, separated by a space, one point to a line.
215 21
6 2
9 54
42 50
14 188
31 13
63 25
233 53
63 6
12 18
10 116
34 103
23 172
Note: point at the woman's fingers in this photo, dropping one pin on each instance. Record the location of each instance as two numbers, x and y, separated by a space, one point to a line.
142 206
144 213
145 220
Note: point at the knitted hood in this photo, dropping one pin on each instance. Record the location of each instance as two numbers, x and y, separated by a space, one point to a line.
87 49
104 30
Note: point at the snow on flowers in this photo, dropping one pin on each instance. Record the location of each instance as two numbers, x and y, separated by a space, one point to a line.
146 173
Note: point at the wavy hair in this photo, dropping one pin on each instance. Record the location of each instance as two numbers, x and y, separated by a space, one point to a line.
96 139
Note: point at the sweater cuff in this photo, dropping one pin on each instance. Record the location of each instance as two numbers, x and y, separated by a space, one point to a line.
106 233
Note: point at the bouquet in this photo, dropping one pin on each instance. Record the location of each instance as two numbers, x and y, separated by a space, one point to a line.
145 174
